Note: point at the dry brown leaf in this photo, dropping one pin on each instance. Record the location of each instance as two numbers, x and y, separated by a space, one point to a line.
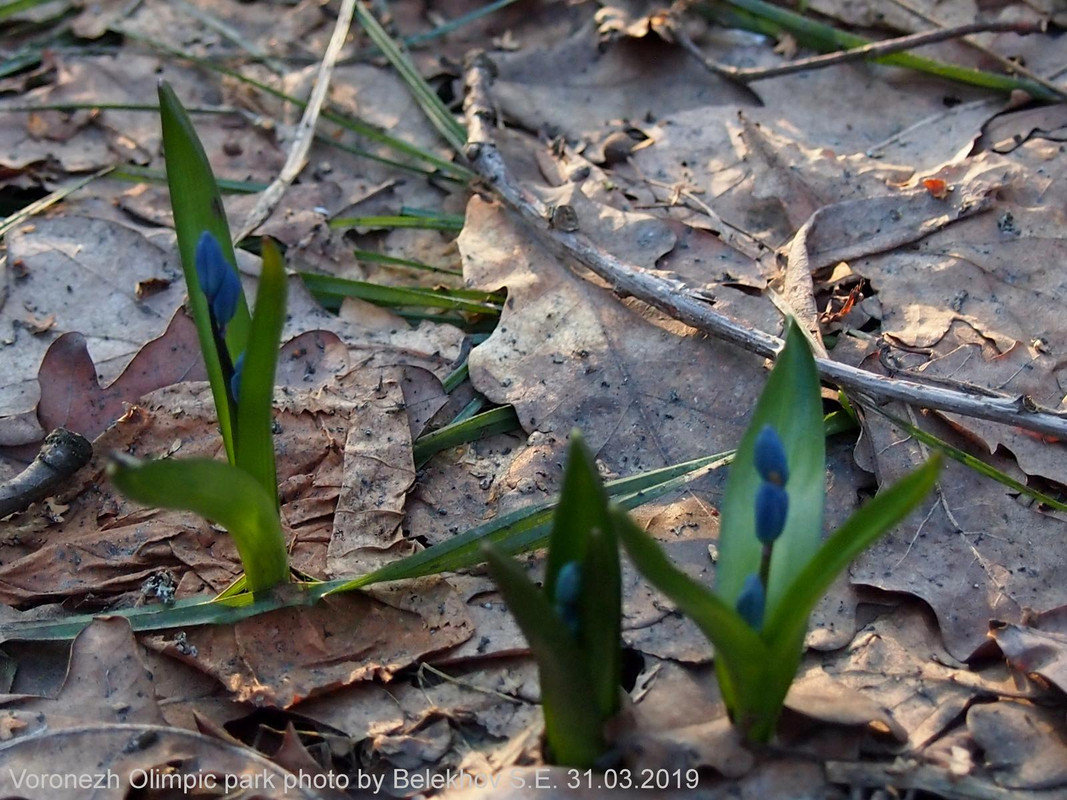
284 657
1024 746
574 88
1036 648
644 389
107 682
118 758
969 551
70 270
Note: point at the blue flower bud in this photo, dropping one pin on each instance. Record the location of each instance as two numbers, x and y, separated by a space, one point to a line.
218 280
235 379
771 463
751 601
568 592
772 506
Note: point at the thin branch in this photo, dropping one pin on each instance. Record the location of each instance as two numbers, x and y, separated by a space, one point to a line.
677 300
867 51
1012 67
305 132
62 454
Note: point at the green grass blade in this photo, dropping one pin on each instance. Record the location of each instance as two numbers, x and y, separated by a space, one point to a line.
522 529
402 296
444 222
13 7
789 620
379 258
351 124
447 125
527 528
770 19
471 409
137 174
221 493
488 423
791 402
255 441
198 208
456 377
970 461
458 22
180 614
573 724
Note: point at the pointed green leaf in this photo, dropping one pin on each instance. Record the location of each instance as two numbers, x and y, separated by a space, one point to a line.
255 441
197 206
601 618
573 724
791 403
461 431
789 620
740 653
221 493
435 110
582 506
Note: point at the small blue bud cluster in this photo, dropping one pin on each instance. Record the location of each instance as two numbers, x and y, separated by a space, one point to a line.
772 507
222 288
218 281
568 591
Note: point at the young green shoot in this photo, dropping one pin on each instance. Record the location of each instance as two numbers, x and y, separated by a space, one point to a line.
773 565
573 625
241 353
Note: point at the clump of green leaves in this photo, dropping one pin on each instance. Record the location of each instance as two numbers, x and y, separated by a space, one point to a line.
573 624
241 354
773 563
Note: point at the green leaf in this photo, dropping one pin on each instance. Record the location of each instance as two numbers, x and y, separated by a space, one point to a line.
573 724
453 299
582 506
789 620
381 258
197 206
255 441
792 404
583 532
221 493
601 617
526 528
740 653
440 222
447 125
969 461
461 431
520 530
769 19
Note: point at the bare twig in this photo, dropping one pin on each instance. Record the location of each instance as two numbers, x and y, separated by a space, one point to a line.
867 51
62 454
1012 67
305 132
677 300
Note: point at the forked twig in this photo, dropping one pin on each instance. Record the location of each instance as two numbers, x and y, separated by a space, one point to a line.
678 301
